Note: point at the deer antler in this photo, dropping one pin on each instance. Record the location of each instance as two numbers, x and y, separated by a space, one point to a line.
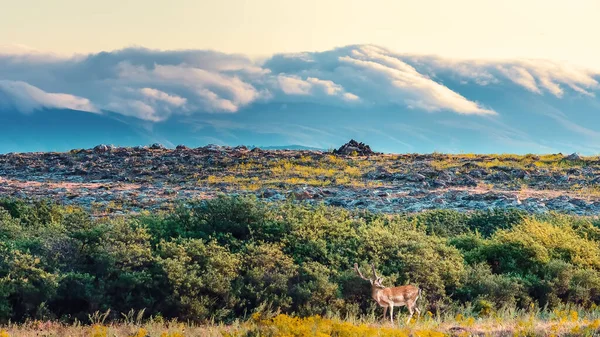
359 273
374 272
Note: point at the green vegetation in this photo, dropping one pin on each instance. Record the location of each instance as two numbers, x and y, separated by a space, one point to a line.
224 259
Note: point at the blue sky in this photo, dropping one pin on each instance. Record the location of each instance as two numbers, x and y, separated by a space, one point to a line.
445 78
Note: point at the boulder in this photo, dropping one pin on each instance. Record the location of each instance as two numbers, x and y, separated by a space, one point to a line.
157 146
240 148
354 148
102 148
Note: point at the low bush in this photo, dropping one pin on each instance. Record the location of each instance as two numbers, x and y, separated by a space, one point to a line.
226 258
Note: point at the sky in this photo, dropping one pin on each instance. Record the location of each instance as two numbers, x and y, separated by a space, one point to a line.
403 76
560 30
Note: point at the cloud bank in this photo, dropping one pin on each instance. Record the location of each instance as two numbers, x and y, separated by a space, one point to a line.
156 85
27 98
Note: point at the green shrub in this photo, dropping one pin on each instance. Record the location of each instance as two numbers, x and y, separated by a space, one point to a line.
227 257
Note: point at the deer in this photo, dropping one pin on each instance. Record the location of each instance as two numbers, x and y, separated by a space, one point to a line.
392 296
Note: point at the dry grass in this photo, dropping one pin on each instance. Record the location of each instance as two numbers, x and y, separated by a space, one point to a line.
321 170
507 323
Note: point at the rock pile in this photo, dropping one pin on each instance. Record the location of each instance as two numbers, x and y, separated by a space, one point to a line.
573 157
354 148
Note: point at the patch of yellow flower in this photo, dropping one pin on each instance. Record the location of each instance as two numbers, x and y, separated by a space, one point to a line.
288 326
464 321
99 331
4 333
172 334
140 333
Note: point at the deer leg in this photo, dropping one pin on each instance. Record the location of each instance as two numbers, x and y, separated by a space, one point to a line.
414 305
392 313
410 309
384 311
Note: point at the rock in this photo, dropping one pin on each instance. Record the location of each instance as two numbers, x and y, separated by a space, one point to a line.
213 148
269 193
499 176
438 183
181 148
519 174
382 194
579 202
303 195
379 174
102 148
465 181
478 173
157 146
354 148
470 165
337 202
444 176
415 177
573 157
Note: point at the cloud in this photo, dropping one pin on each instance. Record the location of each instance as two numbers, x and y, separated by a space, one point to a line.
156 85
537 76
27 98
294 85
404 82
521 77
162 96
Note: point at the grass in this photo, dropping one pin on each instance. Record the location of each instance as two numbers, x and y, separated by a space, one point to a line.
327 170
560 322
324 171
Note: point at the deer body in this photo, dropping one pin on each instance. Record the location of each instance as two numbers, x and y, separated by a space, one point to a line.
390 297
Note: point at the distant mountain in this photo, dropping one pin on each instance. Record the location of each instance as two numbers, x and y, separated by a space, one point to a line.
62 130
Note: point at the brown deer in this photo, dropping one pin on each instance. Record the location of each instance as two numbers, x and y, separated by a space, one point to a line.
395 296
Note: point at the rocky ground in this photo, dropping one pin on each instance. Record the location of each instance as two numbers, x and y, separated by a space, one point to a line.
116 180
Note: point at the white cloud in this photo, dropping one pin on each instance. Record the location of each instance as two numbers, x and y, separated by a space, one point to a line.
215 102
294 85
410 86
27 98
155 85
158 95
552 74
521 77
536 76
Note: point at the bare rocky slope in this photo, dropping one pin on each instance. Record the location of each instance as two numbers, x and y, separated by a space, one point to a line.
111 180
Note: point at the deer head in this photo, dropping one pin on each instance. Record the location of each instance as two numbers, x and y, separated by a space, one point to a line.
375 281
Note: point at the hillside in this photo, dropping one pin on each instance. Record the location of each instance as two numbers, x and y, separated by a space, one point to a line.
114 179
